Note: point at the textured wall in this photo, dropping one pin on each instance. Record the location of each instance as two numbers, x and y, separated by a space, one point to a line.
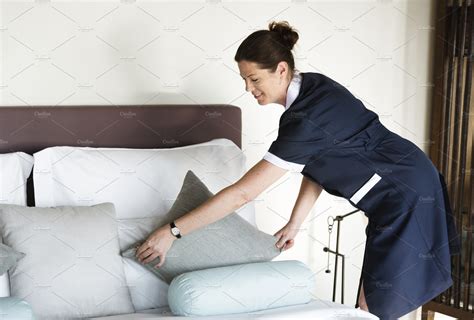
152 52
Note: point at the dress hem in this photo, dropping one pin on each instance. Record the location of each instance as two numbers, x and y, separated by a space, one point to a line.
424 299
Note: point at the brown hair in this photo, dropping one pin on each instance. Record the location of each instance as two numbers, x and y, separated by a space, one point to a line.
268 47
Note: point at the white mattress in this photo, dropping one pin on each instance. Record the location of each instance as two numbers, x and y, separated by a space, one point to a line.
316 309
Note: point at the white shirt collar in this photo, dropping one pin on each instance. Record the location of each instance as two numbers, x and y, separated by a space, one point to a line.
293 89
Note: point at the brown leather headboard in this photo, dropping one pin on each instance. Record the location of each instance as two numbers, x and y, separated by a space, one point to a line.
30 129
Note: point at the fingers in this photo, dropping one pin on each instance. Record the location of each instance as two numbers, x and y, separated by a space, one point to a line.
278 233
148 255
280 243
162 260
143 254
142 249
281 238
151 257
286 244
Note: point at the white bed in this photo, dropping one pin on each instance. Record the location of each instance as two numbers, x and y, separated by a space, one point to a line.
316 309
142 127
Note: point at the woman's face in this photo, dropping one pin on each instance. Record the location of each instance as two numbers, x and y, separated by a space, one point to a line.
267 87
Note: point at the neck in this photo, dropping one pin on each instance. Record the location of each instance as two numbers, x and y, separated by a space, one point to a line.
286 84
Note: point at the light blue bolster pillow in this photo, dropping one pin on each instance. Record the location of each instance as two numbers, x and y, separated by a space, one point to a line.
13 308
241 288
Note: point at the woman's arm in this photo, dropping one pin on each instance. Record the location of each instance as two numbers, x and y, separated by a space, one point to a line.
229 199
309 193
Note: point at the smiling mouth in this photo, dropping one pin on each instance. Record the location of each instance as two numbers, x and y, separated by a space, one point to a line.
256 97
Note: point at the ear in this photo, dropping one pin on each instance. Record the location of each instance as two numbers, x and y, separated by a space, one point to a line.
282 69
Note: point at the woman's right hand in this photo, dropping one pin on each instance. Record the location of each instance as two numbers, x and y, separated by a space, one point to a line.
286 236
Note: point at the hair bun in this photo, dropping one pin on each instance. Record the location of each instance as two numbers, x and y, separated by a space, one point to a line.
288 34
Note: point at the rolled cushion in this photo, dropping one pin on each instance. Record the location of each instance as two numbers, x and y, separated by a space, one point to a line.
13 308
241 288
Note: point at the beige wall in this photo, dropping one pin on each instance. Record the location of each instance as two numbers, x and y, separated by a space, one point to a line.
153 52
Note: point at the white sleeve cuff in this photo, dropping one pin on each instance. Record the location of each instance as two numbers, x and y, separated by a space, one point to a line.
279 162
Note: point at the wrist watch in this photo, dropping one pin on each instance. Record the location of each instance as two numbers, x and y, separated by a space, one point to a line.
175 230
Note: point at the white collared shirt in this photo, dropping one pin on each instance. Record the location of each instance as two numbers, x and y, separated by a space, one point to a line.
293 89
291 94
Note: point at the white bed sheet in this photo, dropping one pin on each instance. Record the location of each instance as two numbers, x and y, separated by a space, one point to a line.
316 309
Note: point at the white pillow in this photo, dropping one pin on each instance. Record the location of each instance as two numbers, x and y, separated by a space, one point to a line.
15 168
72 267
141 183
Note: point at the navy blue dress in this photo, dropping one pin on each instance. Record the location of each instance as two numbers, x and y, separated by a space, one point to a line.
411 232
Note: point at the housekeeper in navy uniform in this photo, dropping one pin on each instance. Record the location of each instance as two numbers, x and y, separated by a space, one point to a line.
340 146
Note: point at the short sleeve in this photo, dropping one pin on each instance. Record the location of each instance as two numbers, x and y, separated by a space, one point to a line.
296 144
279 162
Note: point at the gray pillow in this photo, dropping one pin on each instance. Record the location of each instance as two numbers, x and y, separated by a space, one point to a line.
72 267
228 241
8 258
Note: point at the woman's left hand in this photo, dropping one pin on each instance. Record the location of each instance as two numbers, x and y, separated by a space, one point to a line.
286 236
156 245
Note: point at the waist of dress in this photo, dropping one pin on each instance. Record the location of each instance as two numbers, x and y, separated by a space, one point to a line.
366 139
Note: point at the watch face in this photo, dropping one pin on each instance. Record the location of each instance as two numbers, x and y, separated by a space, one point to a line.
175 231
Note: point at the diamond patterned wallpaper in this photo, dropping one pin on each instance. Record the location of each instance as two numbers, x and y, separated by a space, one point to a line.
153 52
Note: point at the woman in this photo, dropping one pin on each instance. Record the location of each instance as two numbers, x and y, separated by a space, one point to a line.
339 146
